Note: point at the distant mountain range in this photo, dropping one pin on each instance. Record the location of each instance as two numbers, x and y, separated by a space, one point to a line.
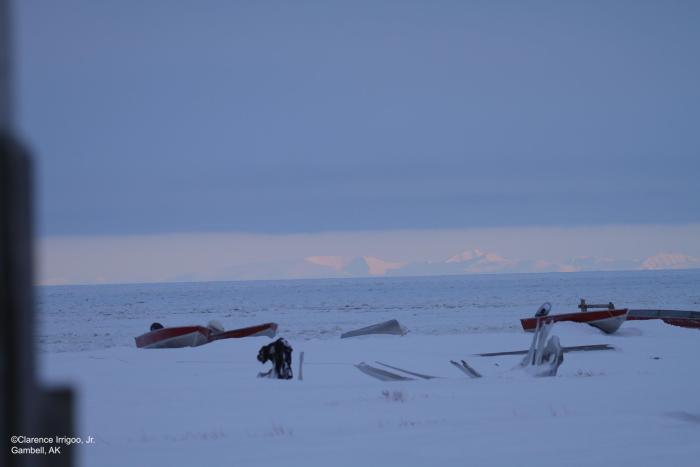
473 261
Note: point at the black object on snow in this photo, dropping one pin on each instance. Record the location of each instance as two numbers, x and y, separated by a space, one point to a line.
280 354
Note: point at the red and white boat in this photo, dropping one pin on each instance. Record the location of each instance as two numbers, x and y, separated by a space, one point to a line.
607 321
193 336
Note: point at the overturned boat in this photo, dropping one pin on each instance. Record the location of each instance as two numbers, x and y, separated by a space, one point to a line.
608 320
387 327
193 336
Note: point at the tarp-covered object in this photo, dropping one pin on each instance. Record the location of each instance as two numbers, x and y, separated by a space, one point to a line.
543 359
387 327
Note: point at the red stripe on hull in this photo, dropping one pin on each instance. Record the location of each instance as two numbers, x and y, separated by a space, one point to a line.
588 317
681 322
193 336
183 336
267 329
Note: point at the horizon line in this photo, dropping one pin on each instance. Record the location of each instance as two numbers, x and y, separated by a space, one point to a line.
360 277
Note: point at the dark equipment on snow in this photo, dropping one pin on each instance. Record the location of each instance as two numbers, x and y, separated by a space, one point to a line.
280 354
543 310
155 326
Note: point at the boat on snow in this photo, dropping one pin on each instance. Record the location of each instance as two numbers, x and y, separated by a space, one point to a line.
682 318
194 336
608 320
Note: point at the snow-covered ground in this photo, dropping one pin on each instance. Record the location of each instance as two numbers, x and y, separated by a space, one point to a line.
637 405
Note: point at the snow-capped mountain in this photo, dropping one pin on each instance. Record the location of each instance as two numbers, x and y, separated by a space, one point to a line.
476 261
473 261
357 266
671 261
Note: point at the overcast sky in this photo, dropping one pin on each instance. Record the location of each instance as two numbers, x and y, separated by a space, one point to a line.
286 117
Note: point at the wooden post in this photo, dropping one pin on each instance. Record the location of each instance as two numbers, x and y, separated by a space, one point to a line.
27 409
301 366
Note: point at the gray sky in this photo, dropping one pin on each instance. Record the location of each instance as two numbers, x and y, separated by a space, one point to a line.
380 123
277 117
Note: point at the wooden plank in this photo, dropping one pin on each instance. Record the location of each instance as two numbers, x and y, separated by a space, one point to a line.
380 374
575 348
419 375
